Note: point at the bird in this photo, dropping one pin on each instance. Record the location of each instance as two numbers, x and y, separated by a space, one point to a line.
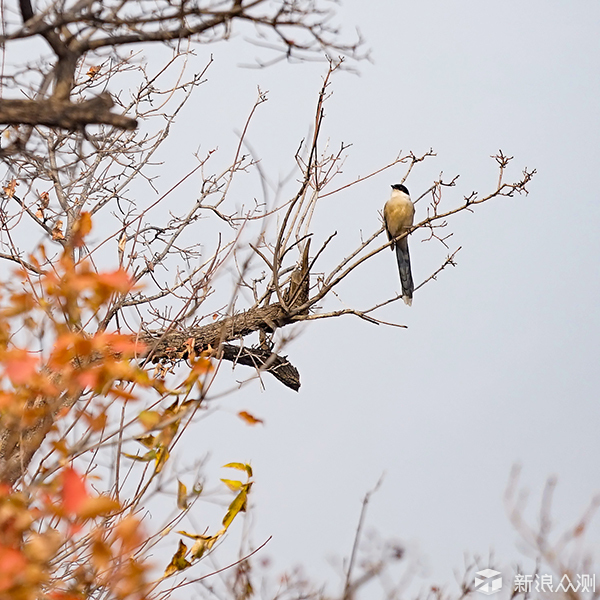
398 215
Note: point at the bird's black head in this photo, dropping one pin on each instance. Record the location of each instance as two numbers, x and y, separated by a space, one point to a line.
401 188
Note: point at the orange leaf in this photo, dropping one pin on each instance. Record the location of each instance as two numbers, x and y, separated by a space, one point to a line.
96 507
101 554
93 71
96 422
10 187
44 200
117 280
19 303
56 232
251 420
128 532
81 228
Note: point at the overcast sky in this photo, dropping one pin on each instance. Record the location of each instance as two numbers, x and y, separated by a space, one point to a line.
499 364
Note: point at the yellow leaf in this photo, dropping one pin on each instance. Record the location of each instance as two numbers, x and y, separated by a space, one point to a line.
233 484
178 562
151 455
193 536
201 546
198 536
238 505
147 440
240 467
162 456
182 503
172 409
198 549
235 465
203 542
165 437
149 419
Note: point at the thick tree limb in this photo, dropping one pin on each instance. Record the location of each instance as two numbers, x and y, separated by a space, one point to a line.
64 114
264 360
21 439
166 345
175 344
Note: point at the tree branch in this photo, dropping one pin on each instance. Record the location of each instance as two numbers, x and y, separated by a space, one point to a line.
64 114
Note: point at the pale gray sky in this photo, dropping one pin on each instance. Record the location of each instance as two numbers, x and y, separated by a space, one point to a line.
499 364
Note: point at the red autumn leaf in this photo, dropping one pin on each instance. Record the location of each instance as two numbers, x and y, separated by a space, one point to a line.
74 493
89 379
20 366
63 596
13 563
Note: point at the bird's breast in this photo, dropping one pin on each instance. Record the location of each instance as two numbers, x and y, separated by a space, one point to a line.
399 214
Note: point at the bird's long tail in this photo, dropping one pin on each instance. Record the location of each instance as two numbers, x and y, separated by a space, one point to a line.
403 257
